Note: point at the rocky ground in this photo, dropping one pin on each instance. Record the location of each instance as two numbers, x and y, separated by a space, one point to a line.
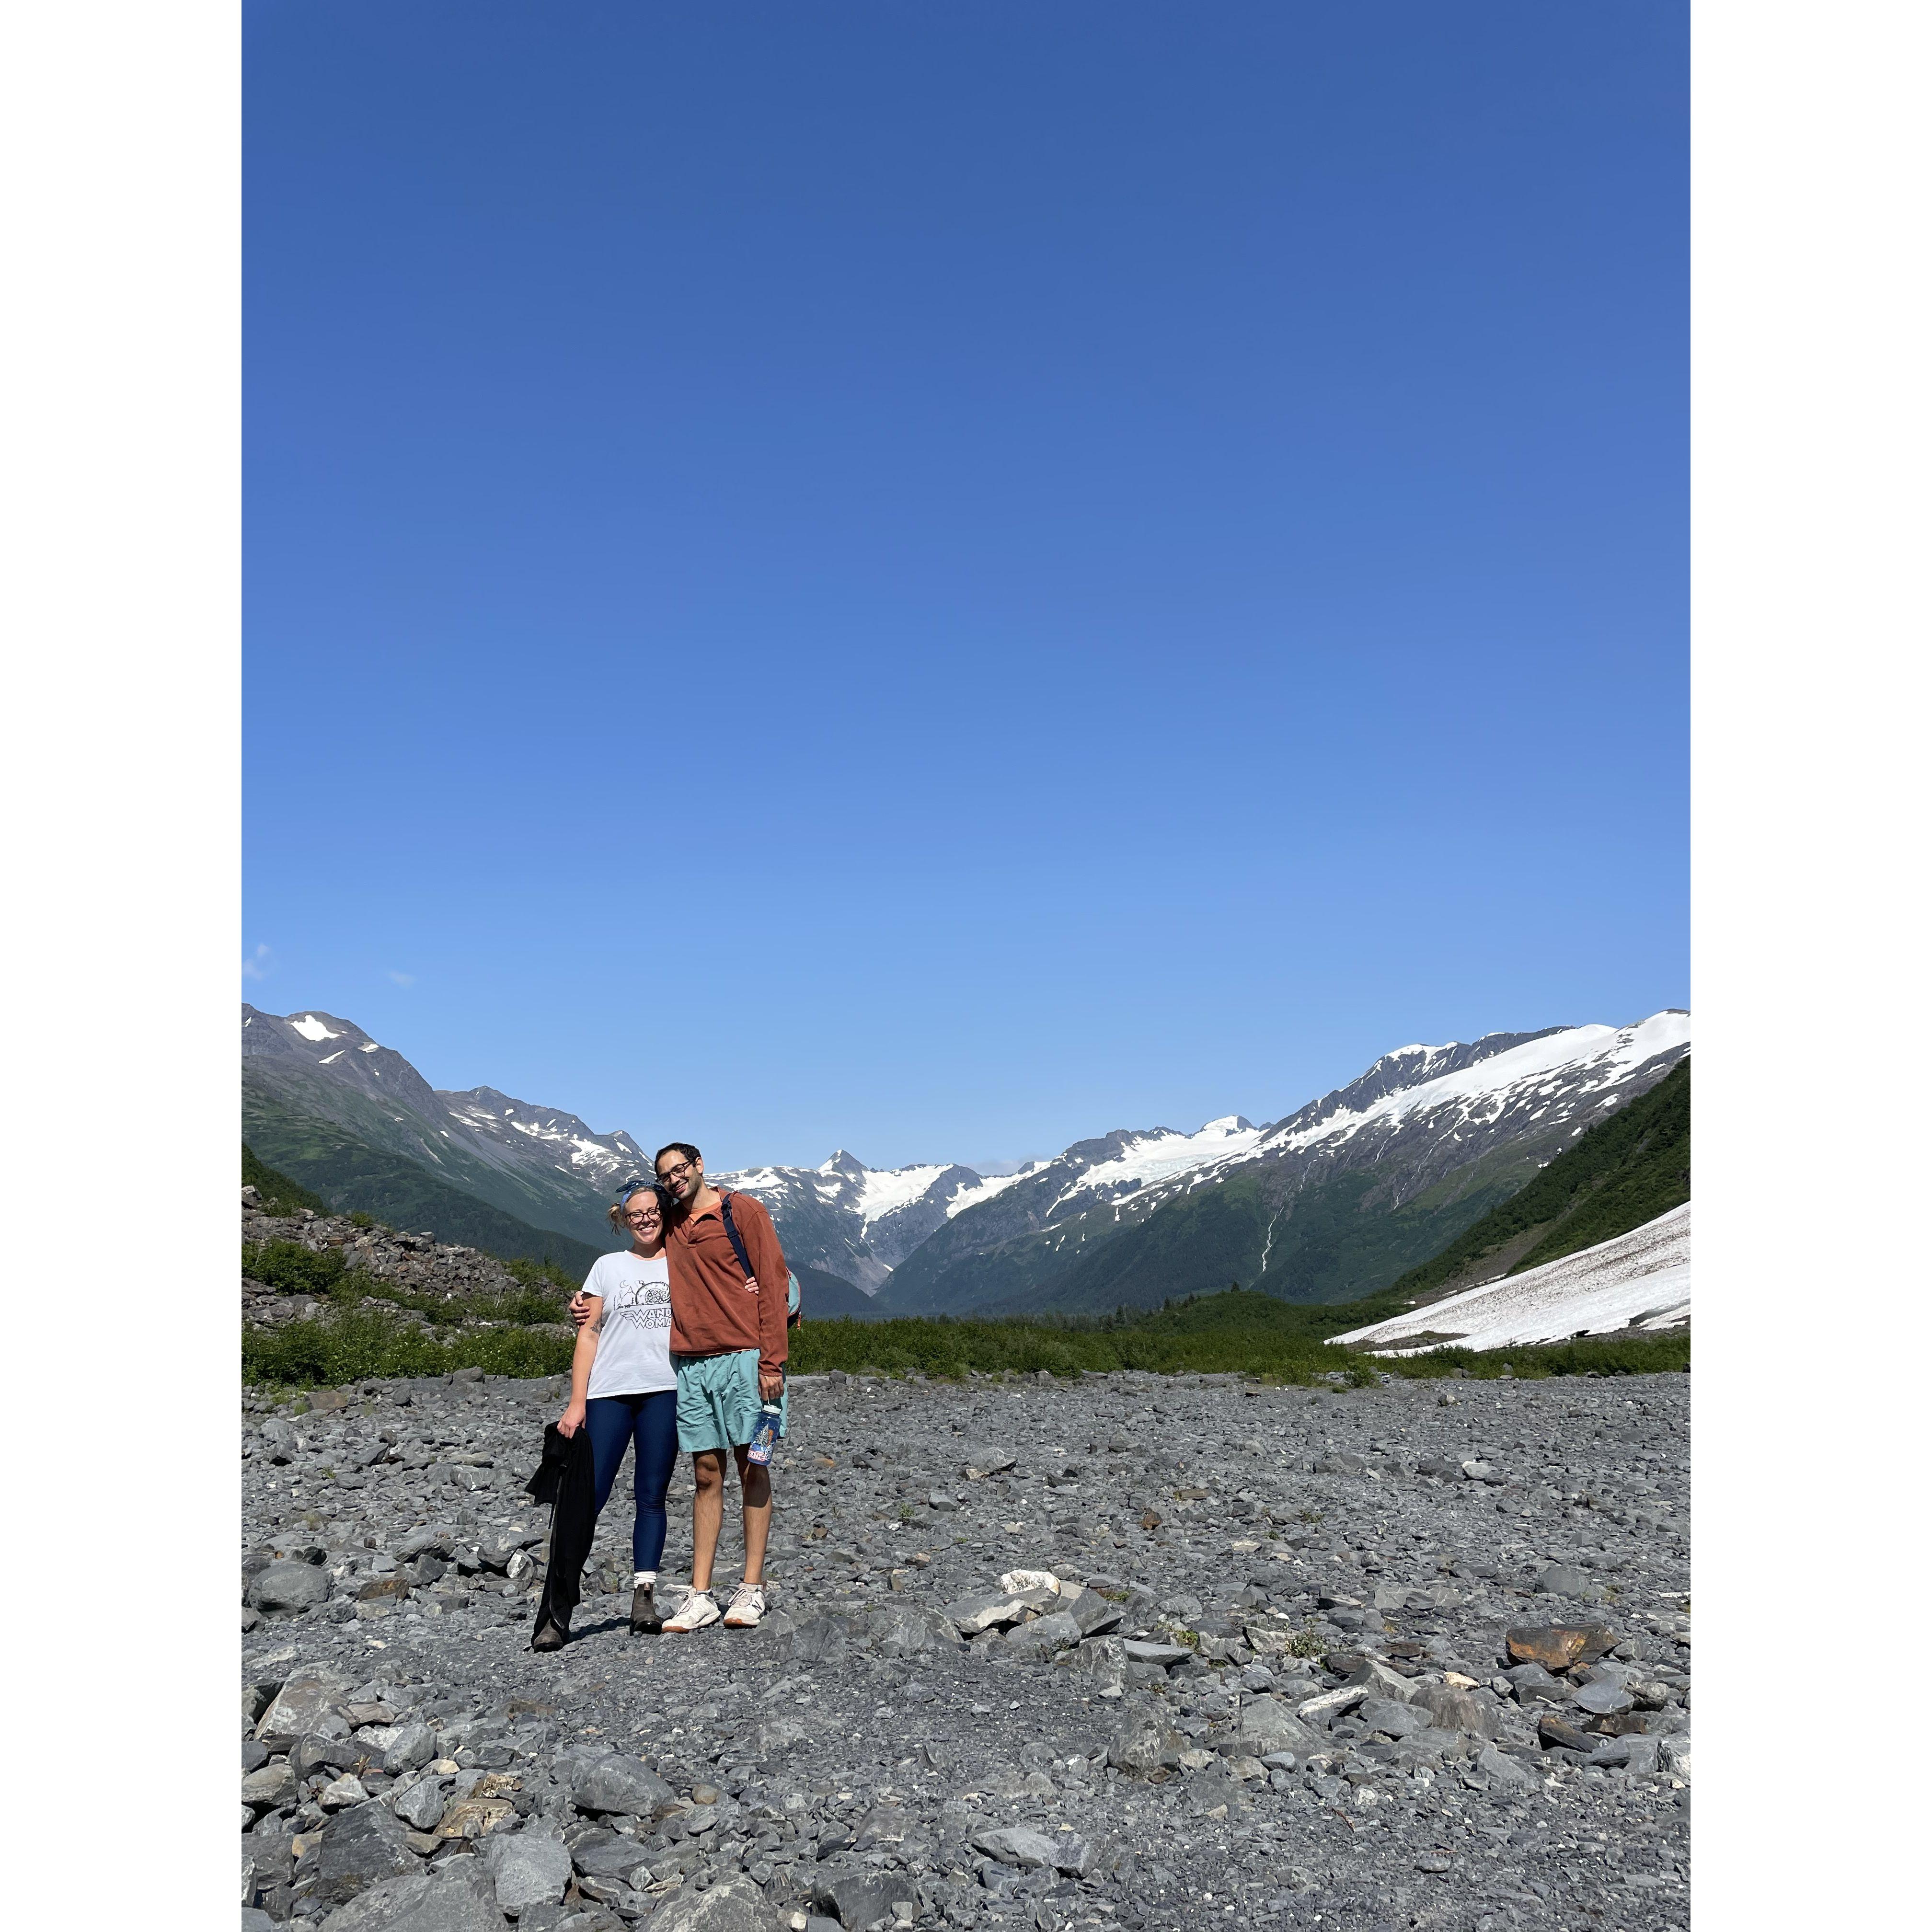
1416 1655
416 1265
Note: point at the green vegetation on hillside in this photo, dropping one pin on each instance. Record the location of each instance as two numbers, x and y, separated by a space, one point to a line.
398 1192
278 1193
1624 1172
1237 1332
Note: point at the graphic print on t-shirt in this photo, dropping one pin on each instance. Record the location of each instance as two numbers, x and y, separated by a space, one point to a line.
641 1304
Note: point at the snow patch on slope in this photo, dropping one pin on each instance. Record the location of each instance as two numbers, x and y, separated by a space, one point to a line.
1641 1277
310 1027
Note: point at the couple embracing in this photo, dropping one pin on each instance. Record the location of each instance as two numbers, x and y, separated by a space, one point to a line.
681 1343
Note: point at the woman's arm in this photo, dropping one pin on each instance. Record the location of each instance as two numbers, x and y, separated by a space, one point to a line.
574 1410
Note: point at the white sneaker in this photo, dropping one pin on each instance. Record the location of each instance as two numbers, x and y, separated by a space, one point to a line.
747 1605
698 1611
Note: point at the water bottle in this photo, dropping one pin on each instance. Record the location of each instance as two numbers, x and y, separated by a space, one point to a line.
765 1437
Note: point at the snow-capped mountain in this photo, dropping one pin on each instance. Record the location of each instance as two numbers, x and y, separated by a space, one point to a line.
853 1221
538 1164
1334 1200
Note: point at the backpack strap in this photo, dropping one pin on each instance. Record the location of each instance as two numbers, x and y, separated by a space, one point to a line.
794 1307
737 1239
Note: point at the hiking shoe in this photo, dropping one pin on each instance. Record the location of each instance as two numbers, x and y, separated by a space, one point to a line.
553 1635
698 1611
747 1605
645 1620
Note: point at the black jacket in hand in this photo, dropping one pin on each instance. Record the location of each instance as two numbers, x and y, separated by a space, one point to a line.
566 1480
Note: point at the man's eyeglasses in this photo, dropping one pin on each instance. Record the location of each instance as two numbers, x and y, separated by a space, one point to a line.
675 1171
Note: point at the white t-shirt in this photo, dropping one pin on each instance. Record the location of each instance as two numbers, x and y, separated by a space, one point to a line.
633 1344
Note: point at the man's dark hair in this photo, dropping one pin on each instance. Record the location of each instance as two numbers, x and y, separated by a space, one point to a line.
683 1148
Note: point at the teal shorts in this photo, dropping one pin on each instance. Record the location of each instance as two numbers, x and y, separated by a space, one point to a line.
717 1400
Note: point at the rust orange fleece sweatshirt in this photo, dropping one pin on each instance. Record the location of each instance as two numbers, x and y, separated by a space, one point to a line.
711 1311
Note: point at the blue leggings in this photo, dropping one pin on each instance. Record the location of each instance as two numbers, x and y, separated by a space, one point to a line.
651 1421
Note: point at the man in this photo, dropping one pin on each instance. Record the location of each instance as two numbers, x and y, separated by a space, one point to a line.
728 1347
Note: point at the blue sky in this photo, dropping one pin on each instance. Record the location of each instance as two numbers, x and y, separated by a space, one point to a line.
943 580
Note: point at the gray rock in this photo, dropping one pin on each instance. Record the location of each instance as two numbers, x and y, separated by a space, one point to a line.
1046 1636
624 1859
1095 1614
1450 1709
1564 1579
1534 1685
412 1747
271 1785
1102 1662
615 1784
1636 1753
421 1805
899 1630
1327 1705
1143 1743
287 1589
1165 1655
307 1697
1267 1726
360 1848
1392 1720
530 1867
1503 1772
1016 1845
854 1895
820 1640
993 1611
988 1458
452 1900
1606 1699
1377 1680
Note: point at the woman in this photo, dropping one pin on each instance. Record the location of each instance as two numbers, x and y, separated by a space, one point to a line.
623 1388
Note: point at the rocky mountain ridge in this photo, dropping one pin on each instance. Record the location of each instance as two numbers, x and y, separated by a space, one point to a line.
417 1266
1333 1200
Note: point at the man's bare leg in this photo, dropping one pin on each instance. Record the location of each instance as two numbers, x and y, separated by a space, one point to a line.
707 1514
755 1479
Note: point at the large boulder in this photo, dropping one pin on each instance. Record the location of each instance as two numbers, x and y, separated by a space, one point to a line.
613 1784
360 1847
309 1693
1559 1647
1016 1845
287 1589
855 1895
1143 1744
1046 1636
1450 1709
529 1868
453 1900
736 1905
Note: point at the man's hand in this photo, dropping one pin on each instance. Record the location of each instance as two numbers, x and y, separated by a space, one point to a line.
579 1308
771 1384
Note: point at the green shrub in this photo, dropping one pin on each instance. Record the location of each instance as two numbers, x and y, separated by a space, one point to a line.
359 1345
293 1268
